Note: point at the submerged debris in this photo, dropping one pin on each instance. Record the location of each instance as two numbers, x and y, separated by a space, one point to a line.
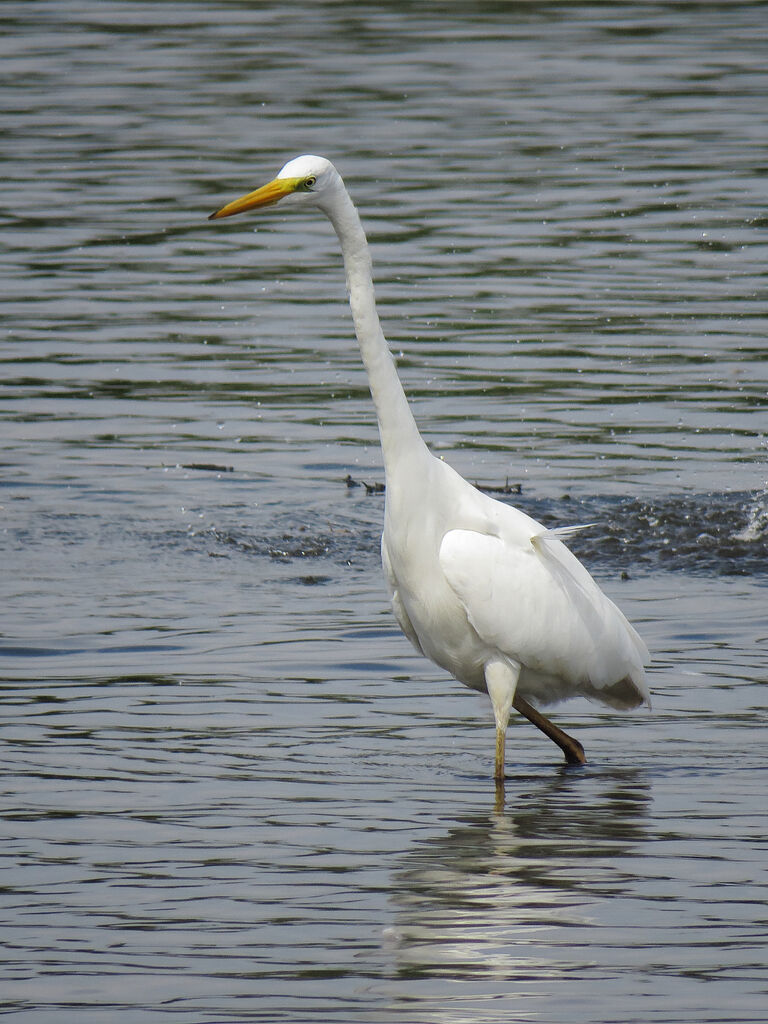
208 467
379 488
374 488
505 488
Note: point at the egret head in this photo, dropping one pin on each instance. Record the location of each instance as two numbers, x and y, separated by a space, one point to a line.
310 178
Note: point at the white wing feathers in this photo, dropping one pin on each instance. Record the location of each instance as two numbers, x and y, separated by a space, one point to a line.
535 602
563 532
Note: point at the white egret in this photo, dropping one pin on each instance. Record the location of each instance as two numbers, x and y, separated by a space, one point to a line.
486 592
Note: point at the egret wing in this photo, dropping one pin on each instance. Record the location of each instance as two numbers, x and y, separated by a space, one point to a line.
535 602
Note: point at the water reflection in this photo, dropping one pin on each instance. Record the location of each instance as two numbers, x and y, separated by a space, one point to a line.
495 896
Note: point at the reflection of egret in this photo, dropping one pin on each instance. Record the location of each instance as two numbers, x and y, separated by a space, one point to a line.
479 587
513 897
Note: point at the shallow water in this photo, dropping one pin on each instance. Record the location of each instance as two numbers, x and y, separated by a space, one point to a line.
230 790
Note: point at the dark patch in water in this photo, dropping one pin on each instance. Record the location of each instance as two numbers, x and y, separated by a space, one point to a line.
709 534
350 543
208 467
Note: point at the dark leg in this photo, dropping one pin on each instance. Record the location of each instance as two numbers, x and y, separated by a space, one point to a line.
573 750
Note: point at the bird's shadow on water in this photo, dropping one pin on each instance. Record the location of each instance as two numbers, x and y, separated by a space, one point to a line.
475 901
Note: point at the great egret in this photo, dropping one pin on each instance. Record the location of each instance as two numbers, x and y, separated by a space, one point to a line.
486 592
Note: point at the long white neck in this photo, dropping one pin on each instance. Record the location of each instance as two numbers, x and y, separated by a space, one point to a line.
397 427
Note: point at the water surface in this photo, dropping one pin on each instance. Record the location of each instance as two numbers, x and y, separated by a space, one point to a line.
231 792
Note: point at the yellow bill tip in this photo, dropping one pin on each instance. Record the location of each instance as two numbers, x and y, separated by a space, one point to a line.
268 194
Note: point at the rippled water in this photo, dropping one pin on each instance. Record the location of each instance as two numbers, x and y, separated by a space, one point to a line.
230 791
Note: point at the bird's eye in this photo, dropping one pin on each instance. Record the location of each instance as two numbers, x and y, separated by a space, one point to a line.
310 181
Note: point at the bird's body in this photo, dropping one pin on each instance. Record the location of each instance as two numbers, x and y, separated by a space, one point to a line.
472 579
479 587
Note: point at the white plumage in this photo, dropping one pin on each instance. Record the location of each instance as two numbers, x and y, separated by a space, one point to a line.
486 592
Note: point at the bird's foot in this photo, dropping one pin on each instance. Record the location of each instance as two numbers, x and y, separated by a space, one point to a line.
571 748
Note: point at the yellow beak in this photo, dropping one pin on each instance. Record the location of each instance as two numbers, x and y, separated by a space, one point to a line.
268 194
